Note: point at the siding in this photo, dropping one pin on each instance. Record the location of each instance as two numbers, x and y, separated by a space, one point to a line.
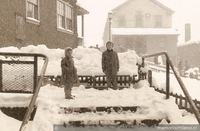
19 32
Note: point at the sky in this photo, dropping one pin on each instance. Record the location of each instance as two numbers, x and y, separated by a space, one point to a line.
88 62
187 11
95 20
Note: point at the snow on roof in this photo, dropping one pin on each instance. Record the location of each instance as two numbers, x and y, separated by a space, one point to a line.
144 31
190 42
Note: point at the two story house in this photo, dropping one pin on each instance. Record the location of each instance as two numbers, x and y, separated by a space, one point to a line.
49 22
142 25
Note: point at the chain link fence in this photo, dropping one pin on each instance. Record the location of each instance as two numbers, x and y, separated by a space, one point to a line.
18 74
17 77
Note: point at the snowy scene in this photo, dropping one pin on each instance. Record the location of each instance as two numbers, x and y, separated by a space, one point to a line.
89 65
50 101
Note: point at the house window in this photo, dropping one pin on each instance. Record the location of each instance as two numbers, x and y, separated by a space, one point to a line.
32 11
139 19
122 22
64 16
158 21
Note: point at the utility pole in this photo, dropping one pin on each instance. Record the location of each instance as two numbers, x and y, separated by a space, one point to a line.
110 25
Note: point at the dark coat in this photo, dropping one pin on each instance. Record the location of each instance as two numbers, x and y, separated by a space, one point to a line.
110 62
69 72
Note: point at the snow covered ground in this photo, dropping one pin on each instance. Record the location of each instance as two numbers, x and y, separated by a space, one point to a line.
88 62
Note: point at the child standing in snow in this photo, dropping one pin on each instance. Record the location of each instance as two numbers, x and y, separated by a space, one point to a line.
69 73
110 65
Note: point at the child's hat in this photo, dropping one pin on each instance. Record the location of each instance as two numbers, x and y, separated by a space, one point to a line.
68 49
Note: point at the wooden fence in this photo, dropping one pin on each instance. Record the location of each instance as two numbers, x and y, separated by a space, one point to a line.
98 81
181 101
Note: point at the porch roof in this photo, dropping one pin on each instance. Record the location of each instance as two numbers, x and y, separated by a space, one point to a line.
81 10
144 31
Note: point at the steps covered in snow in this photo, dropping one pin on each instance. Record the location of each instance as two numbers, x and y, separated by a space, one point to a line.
106 116
99 109
114 123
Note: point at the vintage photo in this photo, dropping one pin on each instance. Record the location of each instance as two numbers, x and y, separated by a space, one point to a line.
99 65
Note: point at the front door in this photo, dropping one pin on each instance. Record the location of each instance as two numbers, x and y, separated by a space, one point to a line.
140 45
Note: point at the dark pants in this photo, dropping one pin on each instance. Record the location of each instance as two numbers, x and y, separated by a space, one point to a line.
67 90
112 81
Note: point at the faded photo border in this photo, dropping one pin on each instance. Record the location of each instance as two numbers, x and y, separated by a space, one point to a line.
189 127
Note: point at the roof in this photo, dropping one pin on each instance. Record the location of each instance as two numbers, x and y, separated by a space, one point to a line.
191 42
153 1
161 5
144 31
81 10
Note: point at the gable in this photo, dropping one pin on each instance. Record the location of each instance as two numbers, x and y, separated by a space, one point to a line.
155 2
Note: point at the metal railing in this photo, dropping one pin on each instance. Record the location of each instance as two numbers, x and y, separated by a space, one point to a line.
32 102
168 65
14 60
18 72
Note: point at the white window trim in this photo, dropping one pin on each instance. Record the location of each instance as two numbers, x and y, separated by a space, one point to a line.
30 19
60 28
65 30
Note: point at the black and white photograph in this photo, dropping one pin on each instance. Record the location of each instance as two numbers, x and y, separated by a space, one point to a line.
99 65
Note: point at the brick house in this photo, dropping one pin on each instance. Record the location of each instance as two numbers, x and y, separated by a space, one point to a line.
49 22
144 26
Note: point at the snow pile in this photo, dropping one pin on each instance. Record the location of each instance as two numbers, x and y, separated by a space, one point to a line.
9 123
87 60
193 72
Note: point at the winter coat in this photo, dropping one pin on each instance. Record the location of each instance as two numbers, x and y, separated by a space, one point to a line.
110 62
69 72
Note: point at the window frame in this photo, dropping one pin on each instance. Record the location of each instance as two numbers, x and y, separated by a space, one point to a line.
32 19
139 20
158 21
67 28
122 21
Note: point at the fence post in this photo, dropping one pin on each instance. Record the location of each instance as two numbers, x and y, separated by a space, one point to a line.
181 103
94 81
35 72
150 78
167 79
1 77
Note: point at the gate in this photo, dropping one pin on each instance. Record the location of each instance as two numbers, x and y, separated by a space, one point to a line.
19 74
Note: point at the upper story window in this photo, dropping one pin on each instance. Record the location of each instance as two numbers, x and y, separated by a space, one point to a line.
122 21
32 11
158 21
64 16
138 19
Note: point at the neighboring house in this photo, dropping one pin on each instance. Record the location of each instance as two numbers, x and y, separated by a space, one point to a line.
144 26
190 52
49 22
186 20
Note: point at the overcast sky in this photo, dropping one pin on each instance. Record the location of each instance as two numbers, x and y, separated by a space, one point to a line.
98 10
95 20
